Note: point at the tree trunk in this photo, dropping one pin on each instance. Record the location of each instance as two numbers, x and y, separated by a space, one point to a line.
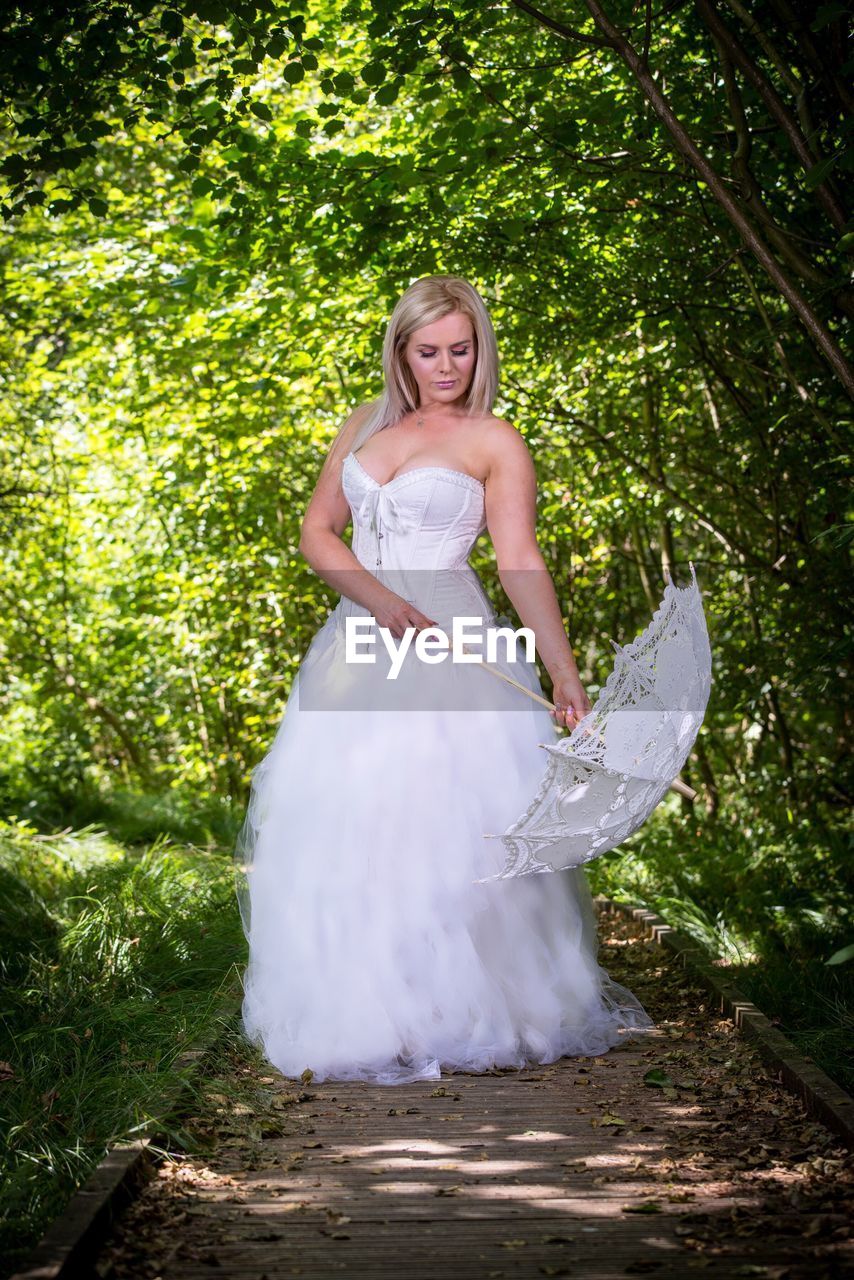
713 797
640 561
781 724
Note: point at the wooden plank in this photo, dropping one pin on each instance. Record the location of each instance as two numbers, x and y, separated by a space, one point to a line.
821 1096
514 1175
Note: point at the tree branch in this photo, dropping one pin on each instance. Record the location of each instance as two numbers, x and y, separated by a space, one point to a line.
686 146
807 158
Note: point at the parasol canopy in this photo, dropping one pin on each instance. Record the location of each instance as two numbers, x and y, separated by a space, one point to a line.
604 779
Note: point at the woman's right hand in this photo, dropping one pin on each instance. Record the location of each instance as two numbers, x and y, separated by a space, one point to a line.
571 701
399 614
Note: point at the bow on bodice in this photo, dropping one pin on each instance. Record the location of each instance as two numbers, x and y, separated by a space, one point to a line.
379 506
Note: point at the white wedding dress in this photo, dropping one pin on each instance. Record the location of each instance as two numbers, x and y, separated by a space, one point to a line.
374 953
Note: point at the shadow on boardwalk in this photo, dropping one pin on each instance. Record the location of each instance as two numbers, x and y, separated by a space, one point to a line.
579 1168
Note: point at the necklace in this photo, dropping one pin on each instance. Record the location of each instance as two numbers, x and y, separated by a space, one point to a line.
419 421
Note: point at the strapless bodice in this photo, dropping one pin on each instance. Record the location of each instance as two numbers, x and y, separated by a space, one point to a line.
415 533
426 518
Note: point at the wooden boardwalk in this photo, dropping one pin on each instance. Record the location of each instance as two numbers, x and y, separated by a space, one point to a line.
673 1157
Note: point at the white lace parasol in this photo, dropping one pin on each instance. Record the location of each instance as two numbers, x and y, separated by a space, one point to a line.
604 779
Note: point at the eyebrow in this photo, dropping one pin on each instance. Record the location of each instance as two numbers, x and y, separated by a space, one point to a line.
460 343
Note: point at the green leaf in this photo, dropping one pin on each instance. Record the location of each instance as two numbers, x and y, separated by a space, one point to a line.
276 45
15 166
171 22
843 956
826 14
657 1079
373 73
344 84
30 127
99 207
387 93
64 206
817 174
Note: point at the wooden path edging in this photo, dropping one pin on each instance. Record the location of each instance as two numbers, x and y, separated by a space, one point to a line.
73 1240
77 1235
822 1097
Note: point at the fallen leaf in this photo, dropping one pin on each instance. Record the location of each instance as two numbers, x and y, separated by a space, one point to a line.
658 1079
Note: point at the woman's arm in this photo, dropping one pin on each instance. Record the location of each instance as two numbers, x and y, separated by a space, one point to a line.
511 517
321 545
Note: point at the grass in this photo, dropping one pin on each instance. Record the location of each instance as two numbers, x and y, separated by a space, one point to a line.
119 937
770 900
115 959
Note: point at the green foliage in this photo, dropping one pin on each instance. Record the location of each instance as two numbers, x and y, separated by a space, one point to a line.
770 901
113 961
210 210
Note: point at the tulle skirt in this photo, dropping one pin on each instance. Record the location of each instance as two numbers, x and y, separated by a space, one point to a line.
374 953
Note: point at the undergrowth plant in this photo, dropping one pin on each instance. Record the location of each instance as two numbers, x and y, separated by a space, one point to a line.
113 959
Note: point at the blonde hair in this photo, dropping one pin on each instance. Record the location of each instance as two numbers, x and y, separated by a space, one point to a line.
425 301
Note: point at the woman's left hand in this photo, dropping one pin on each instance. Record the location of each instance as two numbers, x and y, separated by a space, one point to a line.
571 701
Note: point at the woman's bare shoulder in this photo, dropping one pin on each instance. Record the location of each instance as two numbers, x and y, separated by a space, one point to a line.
362 410
348 429
358 416
501 441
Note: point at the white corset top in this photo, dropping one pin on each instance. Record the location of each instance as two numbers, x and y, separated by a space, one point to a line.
425 518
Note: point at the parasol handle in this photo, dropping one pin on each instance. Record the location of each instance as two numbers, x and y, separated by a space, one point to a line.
681 788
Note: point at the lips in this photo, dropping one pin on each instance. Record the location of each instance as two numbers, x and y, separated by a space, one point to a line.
446 384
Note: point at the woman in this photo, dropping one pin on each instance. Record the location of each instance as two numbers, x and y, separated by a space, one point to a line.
374 951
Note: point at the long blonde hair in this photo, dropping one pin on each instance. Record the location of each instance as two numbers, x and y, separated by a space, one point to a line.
425 301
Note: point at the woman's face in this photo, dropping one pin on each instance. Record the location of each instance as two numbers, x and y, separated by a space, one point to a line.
442 358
